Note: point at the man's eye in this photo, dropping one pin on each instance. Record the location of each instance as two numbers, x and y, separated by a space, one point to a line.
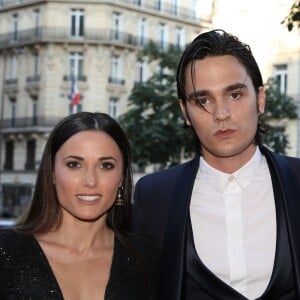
201 101
73 164
235 96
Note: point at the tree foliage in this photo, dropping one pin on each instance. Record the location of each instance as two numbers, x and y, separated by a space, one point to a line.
154 122
279 106
292 20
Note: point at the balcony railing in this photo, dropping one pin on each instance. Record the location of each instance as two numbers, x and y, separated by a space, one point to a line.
115 80
34 78
62 35
46 34
11 81
23 123
166 8
78 78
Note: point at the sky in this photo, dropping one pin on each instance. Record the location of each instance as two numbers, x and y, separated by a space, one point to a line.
256 23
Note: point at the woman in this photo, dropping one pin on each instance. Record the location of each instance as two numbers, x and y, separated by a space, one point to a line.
72 242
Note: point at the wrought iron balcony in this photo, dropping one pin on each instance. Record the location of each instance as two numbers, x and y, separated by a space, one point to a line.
77 78
11 81
34 78
115 80
170 9
30 124
63 35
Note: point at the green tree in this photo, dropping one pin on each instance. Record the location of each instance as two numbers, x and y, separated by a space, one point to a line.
293 18
153 121
279 106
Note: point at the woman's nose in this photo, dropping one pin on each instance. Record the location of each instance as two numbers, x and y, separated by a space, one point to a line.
90 179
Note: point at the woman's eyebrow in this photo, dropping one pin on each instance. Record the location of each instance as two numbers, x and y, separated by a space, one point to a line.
102 158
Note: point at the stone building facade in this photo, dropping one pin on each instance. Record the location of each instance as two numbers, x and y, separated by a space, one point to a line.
46 46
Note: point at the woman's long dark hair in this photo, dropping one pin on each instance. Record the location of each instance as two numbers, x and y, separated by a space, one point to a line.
44 213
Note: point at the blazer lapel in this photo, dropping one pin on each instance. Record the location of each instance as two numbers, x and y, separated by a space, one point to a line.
280 167
173 255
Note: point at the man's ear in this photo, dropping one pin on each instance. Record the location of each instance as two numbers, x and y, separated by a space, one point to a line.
261 100
184 112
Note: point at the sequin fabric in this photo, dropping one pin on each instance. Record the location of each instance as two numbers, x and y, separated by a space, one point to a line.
25 273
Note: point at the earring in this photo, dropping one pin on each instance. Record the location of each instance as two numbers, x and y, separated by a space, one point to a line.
119 201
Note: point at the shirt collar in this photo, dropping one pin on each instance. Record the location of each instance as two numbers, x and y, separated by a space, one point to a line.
243 176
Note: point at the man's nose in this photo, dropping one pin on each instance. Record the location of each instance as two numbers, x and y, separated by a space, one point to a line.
221 111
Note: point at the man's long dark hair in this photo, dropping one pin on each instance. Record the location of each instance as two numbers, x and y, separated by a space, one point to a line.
217 43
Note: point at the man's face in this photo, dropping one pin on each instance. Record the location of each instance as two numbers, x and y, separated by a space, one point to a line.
223 108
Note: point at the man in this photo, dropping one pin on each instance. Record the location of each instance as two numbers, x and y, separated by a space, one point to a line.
228 221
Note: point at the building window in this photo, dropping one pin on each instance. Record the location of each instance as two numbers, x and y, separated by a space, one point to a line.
162 36
15 21
116 70
180 38
76 65
34 111
113 107
13 106
36 64
74 109
281 75
9 155
116 26
138 2
11 71
30 154
37 22
141 72
77 22
142 28
175 7
158 5
15 199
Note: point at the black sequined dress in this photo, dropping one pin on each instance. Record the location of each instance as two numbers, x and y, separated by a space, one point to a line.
25 272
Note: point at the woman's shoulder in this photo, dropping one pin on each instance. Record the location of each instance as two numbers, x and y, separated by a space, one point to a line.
13 240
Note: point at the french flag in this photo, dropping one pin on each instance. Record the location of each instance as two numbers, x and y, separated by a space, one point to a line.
75 96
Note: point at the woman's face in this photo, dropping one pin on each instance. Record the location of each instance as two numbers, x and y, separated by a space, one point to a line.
88 169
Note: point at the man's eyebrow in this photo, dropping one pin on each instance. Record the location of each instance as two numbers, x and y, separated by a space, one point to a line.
236 86
232 87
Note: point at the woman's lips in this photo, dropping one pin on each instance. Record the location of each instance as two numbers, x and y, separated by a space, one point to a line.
88 197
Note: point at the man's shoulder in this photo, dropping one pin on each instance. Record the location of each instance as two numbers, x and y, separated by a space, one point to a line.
283 163
168 173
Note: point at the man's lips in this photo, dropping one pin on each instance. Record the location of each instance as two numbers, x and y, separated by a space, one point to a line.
224 133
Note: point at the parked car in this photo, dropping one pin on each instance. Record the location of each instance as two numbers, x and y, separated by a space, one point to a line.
7 222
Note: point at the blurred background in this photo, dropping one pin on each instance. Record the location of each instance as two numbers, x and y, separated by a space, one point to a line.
119 57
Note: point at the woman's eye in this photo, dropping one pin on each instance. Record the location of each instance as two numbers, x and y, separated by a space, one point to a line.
107 166
235 96
73 164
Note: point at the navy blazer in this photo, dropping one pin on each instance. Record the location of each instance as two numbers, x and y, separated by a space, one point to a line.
161 206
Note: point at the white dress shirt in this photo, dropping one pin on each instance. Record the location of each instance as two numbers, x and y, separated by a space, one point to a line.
234 224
